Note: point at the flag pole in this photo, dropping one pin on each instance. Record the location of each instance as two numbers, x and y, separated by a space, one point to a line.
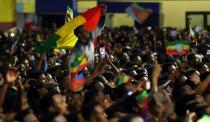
154 39
189 27
164 38
189 24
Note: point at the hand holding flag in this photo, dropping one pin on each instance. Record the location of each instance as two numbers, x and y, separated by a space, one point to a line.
123 79
65 37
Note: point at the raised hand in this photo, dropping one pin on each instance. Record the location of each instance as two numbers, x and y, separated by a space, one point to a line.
155 75
157 70
12 74
190 116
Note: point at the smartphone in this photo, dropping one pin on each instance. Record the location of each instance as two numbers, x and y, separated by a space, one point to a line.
102 52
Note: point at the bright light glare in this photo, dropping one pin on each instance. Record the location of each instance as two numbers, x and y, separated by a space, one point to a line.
12 34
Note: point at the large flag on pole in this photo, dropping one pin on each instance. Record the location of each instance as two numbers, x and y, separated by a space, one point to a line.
139 13
64 37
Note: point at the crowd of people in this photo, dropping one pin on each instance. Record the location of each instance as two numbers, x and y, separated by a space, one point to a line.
35 86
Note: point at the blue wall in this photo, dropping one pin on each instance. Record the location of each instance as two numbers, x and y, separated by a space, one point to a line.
119 7
59 7
51 6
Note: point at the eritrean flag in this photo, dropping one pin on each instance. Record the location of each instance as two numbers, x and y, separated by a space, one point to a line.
77 82
139 13
123 78
65 38
177 48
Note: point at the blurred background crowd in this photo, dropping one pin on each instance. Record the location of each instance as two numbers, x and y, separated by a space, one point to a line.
161 87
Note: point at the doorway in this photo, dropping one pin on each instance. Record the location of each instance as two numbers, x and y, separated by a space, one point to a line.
201 19
57 19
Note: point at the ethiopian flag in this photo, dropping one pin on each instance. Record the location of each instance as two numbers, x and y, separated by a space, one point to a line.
64 37
77 79
177 48
142 96
79 63
123 78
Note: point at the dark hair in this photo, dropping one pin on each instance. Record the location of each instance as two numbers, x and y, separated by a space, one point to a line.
12 102
92 96
131 102
191 56
190 72
183 103
3 69
21 115
122 90
166 67
88 110
46 102
77 30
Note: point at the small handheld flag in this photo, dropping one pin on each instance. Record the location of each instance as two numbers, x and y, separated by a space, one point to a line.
79 63
77 82
139 13
142 96
69 14
177 48
123 78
